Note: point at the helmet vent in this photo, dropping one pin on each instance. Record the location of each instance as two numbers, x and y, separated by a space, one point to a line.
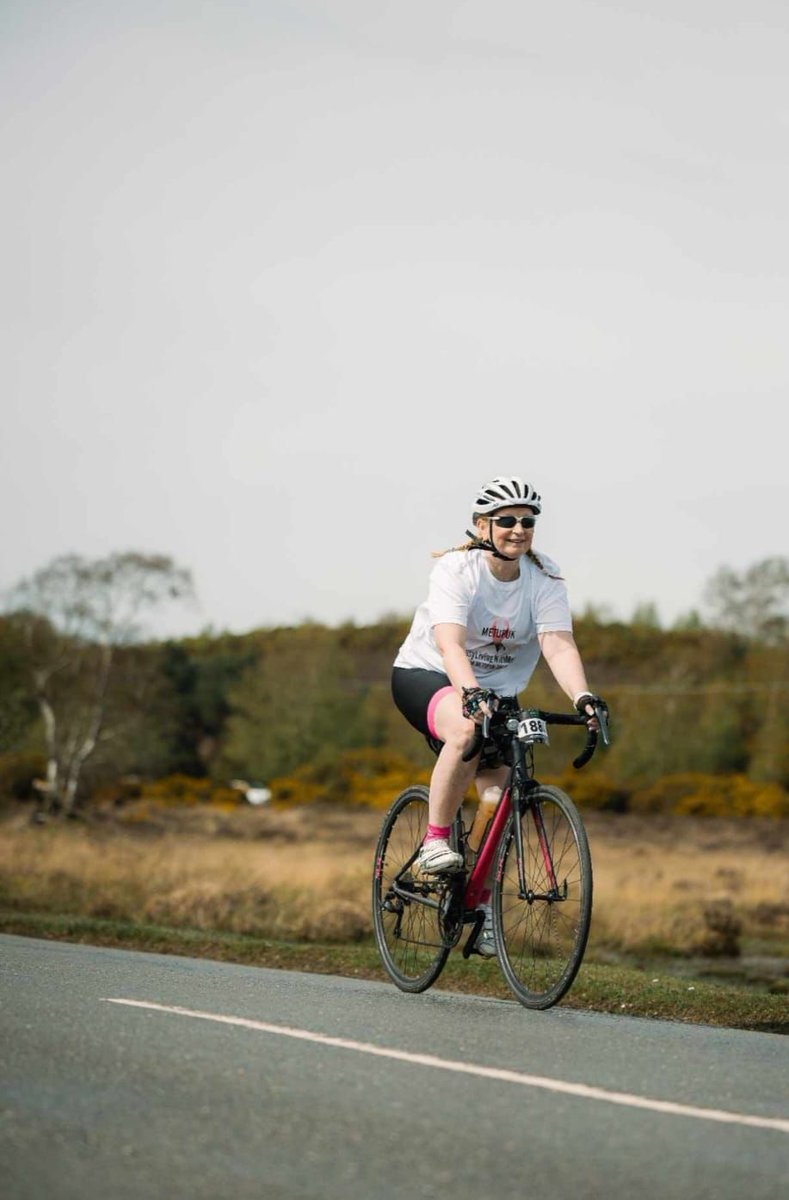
506 490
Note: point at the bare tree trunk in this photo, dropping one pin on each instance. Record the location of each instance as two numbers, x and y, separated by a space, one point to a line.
52 800
80 750
70 793
73 613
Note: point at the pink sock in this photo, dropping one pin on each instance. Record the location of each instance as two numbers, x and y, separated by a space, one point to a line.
437 831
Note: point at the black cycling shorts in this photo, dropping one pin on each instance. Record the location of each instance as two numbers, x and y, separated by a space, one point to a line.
416 693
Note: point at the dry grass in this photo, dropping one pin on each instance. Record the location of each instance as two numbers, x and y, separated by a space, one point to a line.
670 885
273 887
690 886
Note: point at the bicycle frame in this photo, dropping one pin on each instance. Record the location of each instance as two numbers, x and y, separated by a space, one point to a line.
520 783
475 883
540 934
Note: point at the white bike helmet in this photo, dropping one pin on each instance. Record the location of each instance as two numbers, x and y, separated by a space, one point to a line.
503 491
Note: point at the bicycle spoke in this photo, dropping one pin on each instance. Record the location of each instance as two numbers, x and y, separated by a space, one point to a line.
407 928
541 936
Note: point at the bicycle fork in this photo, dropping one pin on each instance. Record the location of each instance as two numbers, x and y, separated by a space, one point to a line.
524 804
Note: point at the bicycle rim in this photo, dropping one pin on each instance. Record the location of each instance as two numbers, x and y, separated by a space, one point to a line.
541 938
407 930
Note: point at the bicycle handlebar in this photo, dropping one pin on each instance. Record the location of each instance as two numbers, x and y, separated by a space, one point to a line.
591 741
551 718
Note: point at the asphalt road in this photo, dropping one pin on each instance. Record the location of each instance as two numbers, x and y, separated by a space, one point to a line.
227 1082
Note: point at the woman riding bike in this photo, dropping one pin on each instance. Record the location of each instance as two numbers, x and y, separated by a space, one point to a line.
493 606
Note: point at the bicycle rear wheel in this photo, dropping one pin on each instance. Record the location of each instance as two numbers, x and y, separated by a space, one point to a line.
541 936
406 905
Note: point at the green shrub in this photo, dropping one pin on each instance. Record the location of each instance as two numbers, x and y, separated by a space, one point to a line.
693 793
189 791
593 791
18 770
365 778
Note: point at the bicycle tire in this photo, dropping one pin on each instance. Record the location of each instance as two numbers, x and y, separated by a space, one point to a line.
408 933
541 941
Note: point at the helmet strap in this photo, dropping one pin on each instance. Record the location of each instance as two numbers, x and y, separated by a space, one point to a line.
487 544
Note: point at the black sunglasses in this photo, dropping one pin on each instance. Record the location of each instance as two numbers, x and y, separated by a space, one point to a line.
511 522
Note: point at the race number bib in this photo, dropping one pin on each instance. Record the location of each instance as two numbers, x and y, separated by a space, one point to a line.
533 729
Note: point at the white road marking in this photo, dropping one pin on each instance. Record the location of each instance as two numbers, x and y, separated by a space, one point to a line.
497 1073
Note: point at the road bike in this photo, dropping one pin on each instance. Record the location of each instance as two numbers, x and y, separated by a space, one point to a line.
542 883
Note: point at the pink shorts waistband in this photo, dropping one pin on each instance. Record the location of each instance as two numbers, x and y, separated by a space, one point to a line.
435 700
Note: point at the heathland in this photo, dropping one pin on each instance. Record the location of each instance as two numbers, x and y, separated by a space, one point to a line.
151 751
679 901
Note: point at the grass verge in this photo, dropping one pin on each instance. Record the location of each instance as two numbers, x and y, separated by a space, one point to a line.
599 987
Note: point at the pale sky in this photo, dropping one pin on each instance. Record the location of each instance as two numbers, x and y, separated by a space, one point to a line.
283 283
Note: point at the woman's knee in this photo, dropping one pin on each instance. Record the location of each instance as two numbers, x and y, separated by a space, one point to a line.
455 730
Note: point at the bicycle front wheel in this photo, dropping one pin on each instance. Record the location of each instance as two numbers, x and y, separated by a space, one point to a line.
541 931
406 905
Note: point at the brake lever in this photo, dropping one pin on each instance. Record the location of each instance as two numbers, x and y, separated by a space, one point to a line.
602 720
591 741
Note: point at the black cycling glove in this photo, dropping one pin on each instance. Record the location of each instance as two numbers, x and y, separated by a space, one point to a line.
474 698
589 698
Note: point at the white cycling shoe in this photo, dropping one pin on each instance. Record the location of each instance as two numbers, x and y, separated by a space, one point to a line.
486 942
437 857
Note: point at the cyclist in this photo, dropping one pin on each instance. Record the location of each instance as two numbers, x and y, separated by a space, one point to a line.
493 606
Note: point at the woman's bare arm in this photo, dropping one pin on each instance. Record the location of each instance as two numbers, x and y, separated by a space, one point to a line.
451 641
562 656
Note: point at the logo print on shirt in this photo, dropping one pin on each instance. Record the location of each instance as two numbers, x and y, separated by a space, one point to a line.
499 633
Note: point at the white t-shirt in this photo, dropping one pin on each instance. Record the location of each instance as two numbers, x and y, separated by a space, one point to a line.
502 620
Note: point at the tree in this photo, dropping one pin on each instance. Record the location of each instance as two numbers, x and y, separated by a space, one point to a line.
597 614
768 677
646 615
78 617
754 603
17 706
303 701
689 621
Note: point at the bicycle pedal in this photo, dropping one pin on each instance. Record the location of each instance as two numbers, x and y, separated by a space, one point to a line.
471 941
431 876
